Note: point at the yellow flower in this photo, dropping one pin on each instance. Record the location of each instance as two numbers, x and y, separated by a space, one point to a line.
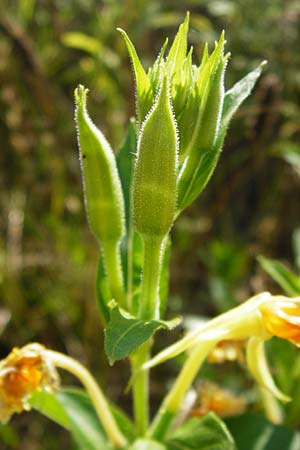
281 317
23 372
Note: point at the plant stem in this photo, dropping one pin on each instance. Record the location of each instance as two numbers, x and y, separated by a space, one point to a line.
149 303
149 309
173 400
113 267
98 399
140 390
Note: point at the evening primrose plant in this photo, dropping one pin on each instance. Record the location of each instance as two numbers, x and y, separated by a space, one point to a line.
132 200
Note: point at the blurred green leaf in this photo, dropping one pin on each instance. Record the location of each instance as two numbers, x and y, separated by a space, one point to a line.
125 333
81 41
296 246
289 282
208 433
72 409
254 432
147 444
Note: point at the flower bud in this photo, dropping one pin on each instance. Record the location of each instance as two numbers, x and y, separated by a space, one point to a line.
102 187
154 183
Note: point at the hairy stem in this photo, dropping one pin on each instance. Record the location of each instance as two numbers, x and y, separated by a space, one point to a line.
149 303
113 267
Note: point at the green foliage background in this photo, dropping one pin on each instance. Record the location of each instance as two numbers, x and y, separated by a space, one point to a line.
48 256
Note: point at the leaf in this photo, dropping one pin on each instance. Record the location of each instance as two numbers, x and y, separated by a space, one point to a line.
143 86
237 94
81 41
208 433
147 444
125 333
254 432
72 409
178 49
289 281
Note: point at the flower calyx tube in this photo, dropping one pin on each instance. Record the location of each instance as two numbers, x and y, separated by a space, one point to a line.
103 193
256 321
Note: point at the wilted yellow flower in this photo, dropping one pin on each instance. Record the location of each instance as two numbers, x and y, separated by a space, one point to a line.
219 400
281 317
22 372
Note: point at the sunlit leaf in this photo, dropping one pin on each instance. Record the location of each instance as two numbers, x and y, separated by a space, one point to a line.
125 333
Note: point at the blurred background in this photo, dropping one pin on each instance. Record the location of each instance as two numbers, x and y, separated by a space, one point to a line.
251 207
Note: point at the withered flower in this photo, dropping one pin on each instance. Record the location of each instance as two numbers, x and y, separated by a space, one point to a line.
223 402
24 371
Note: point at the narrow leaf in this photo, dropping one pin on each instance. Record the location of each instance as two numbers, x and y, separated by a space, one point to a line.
238 93
208 433
178 49
125 333
143 86
289 281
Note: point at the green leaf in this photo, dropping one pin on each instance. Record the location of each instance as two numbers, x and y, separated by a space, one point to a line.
237 94
209 158
72 409
147 444
289 281
208 433
143 86
178 50
125 333
81 41
254 432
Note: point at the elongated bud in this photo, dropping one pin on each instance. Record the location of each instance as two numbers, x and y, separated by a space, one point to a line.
103 193
205 137
154 183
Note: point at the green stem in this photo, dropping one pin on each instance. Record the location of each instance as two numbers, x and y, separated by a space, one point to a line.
149 309
96 395
149 303
113 267
173 400
140 390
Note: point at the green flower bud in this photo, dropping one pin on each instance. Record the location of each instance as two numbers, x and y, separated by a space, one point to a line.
203 139
154 183
103 194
